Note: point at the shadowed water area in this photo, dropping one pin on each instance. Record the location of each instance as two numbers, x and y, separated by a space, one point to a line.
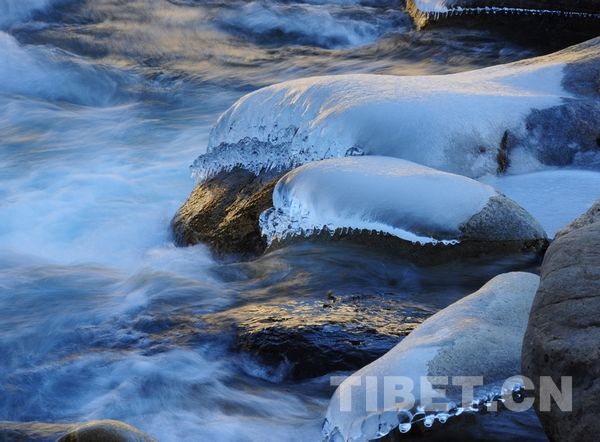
103 106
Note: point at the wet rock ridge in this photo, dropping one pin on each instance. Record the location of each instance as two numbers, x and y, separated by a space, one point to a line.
223 212
93 431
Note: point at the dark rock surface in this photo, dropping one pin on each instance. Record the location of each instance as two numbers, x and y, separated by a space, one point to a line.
567 134
337 306
223 212
563 333
571 131
313 337
423 254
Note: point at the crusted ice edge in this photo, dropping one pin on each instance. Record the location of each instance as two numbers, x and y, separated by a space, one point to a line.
249 153
378 425
422 17
277 226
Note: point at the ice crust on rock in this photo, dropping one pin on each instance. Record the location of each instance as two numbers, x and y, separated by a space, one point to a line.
383 194
452 122
483 330
565 7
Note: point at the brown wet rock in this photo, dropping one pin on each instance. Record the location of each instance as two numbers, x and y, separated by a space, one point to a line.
223 212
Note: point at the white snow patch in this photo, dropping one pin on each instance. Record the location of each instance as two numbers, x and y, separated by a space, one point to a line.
553 197
384 194
450 122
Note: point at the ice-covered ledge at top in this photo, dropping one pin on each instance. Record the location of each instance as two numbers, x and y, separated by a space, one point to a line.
383 194
540 6
451 122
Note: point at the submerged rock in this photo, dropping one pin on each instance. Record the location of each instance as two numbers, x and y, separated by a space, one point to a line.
563 334
223 212
309 338
480 335
94 431
106 431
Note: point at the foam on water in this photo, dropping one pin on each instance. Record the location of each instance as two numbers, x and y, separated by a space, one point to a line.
17 11
55 75
314 23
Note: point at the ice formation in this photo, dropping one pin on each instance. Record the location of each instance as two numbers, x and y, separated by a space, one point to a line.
383 194
565 7
486 327
451 122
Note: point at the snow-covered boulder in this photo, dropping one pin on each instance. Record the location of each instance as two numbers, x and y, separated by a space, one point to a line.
480 335
393 196
538 111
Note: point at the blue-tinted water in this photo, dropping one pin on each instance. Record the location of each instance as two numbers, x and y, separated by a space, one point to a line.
103 106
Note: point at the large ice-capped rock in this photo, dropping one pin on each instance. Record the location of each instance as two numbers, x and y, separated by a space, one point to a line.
393 196
543 110
480 335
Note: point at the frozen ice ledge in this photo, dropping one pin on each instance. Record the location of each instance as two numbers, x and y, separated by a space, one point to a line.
424 12
519 117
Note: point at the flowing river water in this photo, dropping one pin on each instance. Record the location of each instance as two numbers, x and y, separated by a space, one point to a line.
104 104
